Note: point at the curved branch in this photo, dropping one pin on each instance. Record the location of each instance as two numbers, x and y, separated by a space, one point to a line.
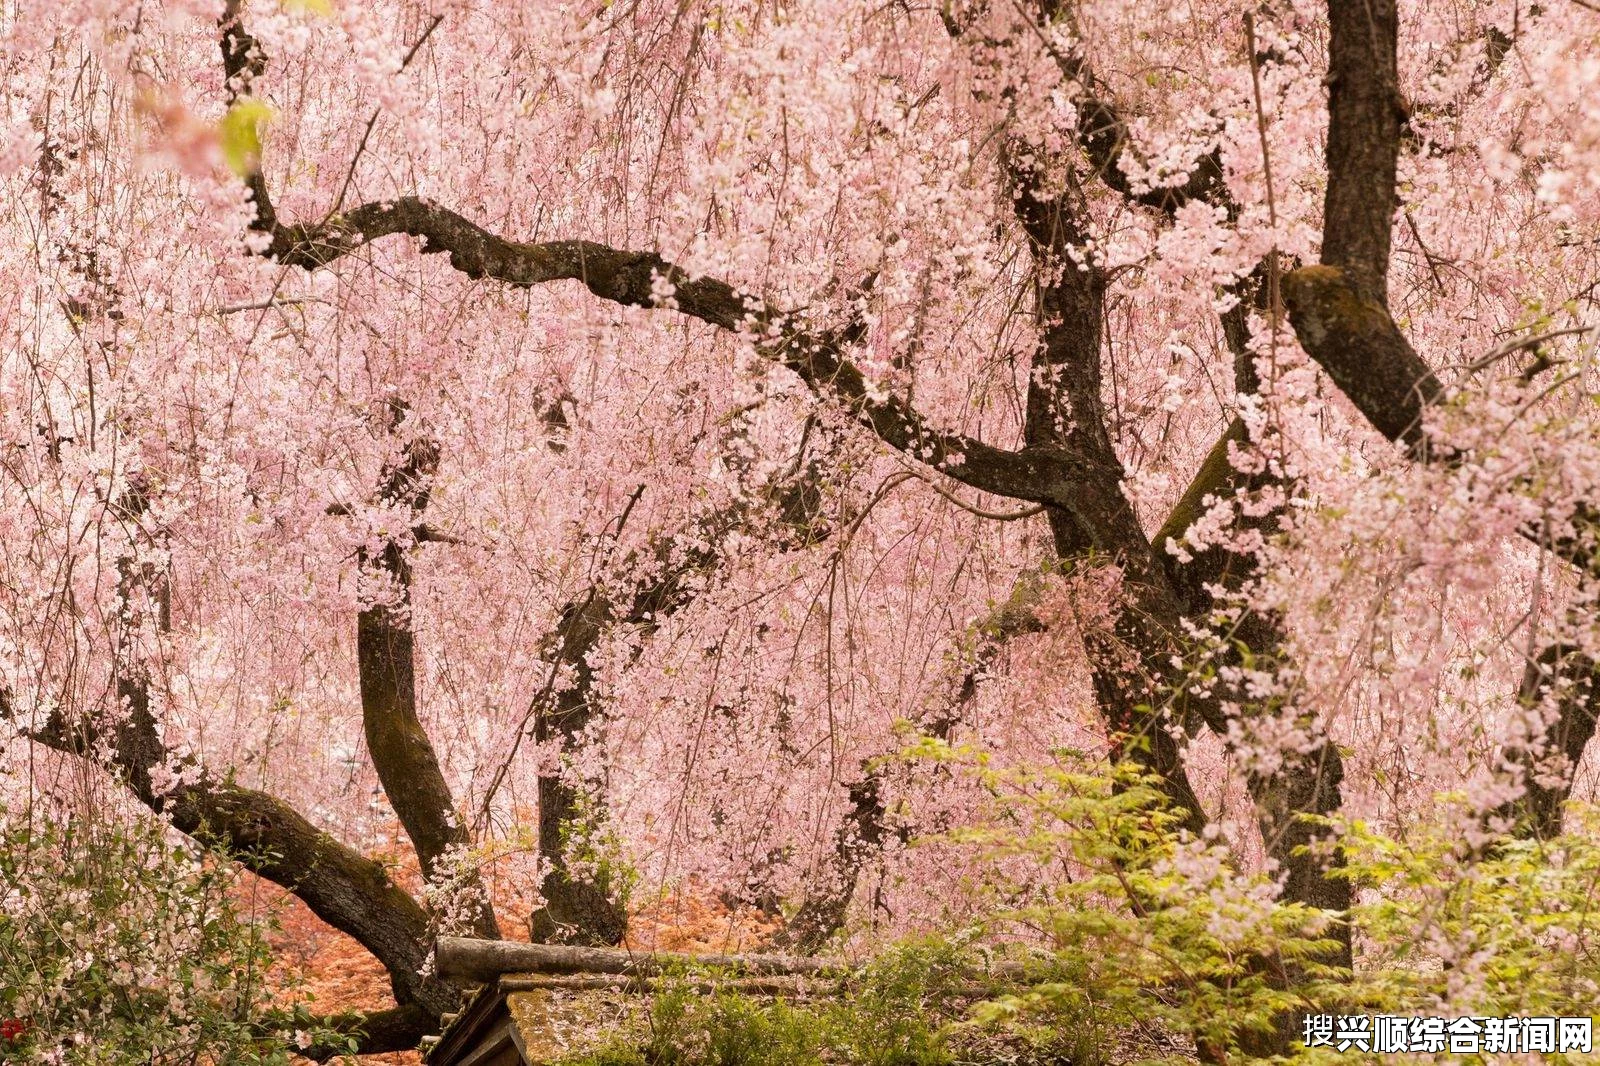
1345 326
641 279
1340 314
344 888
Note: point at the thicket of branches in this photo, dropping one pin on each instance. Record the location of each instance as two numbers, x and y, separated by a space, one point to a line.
1210 391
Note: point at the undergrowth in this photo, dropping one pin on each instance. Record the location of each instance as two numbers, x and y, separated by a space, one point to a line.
121 946
907 1008
1113 937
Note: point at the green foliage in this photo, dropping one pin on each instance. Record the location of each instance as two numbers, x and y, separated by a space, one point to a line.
906 1008
898 1011
1143 929
1113 939
117 946
1508 927
728 1029
885 1021
1147 932
240 134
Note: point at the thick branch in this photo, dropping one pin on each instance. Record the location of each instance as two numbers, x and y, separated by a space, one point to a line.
576 909
341 886
407 765
1353 338
1347 329
344 888
1065 411
347 890
633 278
1304 783
1340 314
1103 135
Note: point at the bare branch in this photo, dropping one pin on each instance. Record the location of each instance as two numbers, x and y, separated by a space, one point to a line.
1522 344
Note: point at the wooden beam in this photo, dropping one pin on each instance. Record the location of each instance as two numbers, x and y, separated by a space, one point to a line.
485 961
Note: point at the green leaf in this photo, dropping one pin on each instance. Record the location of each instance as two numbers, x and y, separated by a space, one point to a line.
315 7
240 133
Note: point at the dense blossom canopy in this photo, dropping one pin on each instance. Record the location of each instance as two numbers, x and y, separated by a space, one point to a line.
660 411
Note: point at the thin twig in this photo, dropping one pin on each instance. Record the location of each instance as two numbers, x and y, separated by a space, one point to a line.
1521 344
997 516
1427 256
349 175
262 305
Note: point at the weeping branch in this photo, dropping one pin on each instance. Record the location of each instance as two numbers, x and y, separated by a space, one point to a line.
634 278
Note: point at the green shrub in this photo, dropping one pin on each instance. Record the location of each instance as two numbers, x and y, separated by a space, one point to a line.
906 1008
1505 928
1140 930
119 946
1112 939
892 1013
1147 935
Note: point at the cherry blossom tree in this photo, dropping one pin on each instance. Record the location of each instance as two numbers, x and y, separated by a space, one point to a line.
610 424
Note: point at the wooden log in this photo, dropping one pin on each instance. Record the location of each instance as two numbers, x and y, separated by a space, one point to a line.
485 961
790 985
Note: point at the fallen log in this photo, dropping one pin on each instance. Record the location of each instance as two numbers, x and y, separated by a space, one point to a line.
486 961
790 985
